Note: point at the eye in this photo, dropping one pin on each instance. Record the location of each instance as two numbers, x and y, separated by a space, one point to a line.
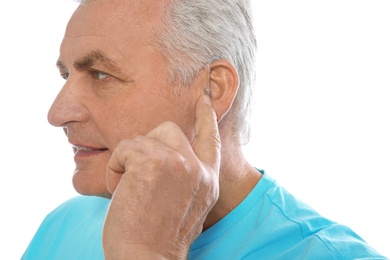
99 75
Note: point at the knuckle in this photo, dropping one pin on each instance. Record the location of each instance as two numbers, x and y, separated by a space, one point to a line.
170 126
124 144
167 159
138 138
178 162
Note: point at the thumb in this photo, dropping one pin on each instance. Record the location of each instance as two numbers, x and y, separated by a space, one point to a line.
207 143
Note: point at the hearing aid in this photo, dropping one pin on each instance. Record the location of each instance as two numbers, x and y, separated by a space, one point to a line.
207 90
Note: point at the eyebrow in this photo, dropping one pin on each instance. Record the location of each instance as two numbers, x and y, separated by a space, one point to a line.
88 60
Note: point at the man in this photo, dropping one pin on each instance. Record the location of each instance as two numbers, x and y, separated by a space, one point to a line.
156 105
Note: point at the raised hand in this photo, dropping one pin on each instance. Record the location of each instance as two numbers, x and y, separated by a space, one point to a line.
163 188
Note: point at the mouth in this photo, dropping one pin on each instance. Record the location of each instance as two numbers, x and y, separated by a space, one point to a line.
80 150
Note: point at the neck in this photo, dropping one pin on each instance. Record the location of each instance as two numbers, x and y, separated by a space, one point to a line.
237 180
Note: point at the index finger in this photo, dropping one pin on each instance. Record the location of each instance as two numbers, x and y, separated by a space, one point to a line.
207 142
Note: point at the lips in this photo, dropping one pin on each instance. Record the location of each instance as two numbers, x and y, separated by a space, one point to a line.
81 150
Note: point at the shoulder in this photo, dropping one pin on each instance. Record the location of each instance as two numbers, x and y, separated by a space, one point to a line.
77 221
318 236
344 243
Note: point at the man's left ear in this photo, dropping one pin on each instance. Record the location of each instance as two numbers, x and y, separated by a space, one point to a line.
224 82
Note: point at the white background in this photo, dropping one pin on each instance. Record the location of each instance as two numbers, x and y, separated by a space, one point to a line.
320 127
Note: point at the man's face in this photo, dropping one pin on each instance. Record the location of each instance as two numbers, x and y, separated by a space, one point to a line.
116 85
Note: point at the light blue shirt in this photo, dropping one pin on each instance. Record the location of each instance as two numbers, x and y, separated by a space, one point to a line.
269 224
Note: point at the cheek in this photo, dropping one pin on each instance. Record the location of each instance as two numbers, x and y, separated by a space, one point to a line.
127 121
138 113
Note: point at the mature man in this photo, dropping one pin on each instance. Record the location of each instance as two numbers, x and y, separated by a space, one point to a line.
156 105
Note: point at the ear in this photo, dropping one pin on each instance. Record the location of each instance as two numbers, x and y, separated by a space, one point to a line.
224 81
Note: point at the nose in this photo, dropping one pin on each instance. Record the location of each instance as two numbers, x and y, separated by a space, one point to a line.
68 106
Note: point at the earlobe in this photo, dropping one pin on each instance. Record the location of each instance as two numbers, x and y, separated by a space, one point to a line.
224 82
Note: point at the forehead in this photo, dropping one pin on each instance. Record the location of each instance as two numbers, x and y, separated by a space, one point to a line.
122 29
105 15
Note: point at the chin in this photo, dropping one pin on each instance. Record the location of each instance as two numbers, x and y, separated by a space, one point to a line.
90 185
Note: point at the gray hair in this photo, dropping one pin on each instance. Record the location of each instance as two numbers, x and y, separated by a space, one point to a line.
198 32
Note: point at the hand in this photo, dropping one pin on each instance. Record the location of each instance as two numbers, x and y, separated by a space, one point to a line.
163 189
